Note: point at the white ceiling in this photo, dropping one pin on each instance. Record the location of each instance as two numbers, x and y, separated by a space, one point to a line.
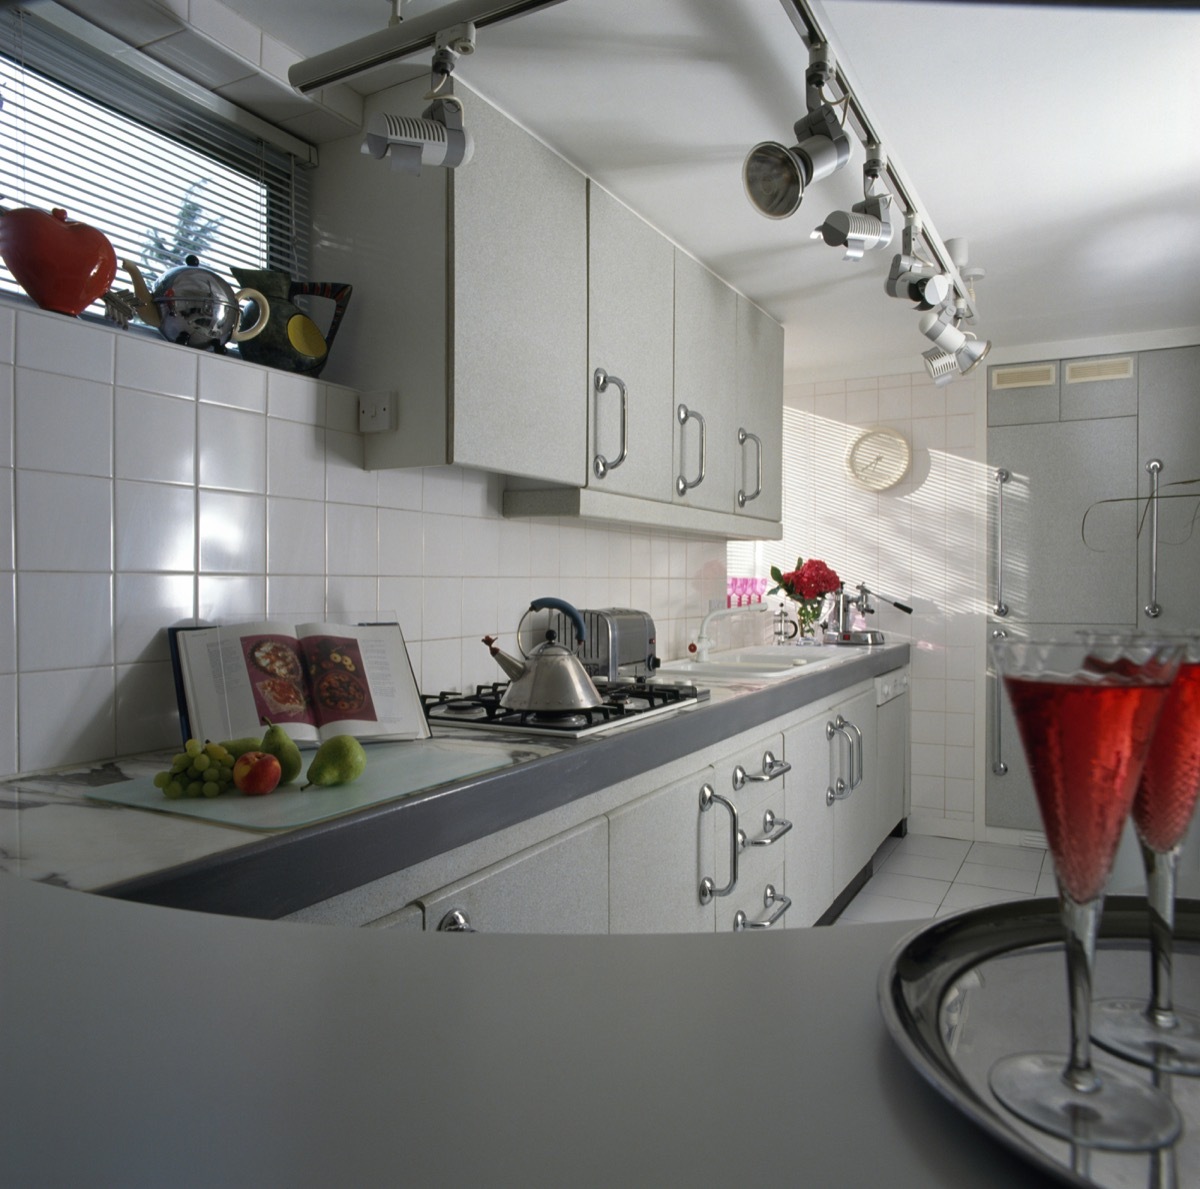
1061 142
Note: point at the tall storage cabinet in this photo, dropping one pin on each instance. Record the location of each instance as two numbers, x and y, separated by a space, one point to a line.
759 380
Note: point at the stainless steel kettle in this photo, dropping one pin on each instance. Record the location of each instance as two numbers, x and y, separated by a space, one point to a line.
551 679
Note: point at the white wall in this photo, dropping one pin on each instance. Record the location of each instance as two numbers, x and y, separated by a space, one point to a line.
143 484
921 543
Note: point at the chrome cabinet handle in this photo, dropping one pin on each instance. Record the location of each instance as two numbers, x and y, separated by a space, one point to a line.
771 768
770 896
856 753
708 887
455 921
838 790
743 438
1153 469
999 767
1000 608
683 414
601 380
774 828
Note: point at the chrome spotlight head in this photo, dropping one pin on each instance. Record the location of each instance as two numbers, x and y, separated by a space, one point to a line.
917 281
864 226
775 176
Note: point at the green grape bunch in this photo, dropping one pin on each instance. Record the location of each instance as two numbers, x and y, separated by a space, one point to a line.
202 769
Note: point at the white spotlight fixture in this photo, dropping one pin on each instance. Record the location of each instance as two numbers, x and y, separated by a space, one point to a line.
918 281
437 137
774 175
954 353
867 224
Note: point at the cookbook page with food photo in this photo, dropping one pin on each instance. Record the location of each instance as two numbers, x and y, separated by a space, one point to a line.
314 679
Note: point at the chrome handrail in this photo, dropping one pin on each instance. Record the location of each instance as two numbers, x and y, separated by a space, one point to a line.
1153 469
1001 608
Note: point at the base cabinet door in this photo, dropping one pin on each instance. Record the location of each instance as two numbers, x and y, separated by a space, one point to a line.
559 886
809 845
856 832
661 847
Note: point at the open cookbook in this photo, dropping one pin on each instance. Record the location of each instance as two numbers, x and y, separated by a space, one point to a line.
313 679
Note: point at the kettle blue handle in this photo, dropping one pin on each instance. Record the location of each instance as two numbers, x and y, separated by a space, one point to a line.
570 612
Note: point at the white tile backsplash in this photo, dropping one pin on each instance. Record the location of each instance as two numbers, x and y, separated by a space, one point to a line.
234 490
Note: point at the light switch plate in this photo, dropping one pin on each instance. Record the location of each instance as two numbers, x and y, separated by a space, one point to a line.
377 411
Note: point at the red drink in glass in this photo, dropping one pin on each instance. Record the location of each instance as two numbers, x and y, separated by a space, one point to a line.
1085 743
1166 796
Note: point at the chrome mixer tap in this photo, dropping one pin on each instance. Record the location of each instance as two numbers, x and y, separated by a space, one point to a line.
838 629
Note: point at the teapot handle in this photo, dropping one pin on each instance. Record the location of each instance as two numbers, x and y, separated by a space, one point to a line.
335 291
264 313
570 612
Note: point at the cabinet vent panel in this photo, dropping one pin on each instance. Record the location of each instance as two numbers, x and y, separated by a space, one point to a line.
1026 375
1091 371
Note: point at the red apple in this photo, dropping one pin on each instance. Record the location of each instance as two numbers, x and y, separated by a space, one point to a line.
256 773
63 265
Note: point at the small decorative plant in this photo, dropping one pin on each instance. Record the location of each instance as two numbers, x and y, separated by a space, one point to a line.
806 585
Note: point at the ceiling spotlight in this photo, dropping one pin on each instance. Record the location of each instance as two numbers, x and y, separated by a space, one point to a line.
437 137
867 224
774 175
953 352
918 281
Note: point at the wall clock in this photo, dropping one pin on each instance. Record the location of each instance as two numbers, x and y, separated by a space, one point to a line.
879 458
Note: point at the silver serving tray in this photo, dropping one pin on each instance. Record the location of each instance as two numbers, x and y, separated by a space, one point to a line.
958 994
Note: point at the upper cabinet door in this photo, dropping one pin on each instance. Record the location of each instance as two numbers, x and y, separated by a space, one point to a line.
759 443
1169 432
631 283
705 422
1069 528
519 299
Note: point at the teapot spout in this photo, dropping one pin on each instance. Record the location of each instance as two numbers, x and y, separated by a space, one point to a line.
511 666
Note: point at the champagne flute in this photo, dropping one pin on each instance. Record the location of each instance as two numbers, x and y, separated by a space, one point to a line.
1086 715
1156 1033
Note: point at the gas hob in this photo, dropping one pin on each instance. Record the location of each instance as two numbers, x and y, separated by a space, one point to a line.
626 703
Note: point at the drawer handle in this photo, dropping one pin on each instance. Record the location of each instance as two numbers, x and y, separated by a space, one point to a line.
840 789
774 828
708 887
455 921
771 768
856 753
683 415
770 896
744 497
601 380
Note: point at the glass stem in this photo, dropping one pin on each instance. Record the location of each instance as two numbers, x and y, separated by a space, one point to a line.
1082 922
1160 895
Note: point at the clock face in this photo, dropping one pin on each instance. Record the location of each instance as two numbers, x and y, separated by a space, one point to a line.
879 458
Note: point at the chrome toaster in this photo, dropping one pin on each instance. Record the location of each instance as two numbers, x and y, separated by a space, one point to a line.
620 643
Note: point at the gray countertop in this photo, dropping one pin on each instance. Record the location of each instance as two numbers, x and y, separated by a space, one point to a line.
159 1047
159 858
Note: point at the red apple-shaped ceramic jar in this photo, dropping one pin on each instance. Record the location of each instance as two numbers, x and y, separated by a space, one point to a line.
63 265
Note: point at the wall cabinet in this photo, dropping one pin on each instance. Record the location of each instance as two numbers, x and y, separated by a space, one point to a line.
631 286
477 323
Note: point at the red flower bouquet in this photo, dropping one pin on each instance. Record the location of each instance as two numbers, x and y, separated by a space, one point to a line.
806 585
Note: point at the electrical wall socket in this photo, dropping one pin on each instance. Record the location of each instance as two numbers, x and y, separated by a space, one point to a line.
378 411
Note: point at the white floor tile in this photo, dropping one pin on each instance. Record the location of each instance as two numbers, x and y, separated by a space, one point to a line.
909 887
867 907
1047 885
927 844
1024 858
966 896
928 866
1009 879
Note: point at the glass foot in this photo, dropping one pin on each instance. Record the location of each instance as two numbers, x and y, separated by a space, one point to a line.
1122 1027
1122 1114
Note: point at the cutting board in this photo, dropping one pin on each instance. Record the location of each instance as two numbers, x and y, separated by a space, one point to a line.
394 770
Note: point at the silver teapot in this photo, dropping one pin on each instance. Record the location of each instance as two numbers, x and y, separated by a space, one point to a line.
196 307
551 679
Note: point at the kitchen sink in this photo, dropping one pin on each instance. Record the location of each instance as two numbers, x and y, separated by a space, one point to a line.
766 662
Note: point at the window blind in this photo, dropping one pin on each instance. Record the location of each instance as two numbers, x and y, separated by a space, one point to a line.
161 177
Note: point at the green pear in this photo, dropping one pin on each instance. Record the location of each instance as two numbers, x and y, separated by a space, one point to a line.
278 742
237 747
339 760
